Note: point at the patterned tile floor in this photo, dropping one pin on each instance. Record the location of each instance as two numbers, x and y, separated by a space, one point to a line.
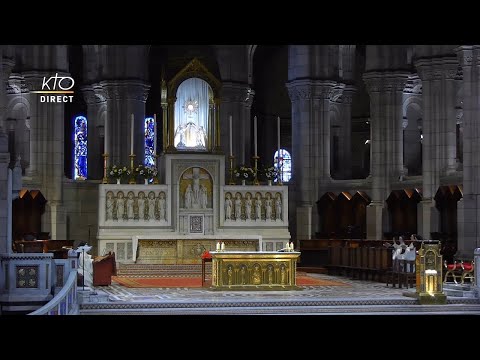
358 297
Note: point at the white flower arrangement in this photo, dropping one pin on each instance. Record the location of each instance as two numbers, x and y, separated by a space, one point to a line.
118 172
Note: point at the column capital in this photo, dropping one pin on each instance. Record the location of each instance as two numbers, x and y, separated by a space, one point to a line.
439 68
306 89
380 82
125 89
16 84
343 94
88 95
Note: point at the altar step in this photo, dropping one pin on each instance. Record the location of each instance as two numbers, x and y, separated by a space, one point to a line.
312 269
159 270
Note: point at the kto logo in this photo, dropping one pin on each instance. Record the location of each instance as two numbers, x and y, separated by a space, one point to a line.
59 85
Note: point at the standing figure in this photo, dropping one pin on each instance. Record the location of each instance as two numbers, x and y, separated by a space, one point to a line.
120 205
130 202
203 197
151 206
238 207
141 205
188 197
196 188
228 207
258 207
248 206
268 207
278 207
256 278
162 206
109 204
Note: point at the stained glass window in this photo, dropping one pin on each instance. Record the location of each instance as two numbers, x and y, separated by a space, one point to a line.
80 152
285 164
149 139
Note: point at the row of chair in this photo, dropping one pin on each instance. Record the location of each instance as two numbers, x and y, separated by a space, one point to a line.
459 271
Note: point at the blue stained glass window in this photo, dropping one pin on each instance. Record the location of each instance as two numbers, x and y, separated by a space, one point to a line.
285 164
149 139
80 151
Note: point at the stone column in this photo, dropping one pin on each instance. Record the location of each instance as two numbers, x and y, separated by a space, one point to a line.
4 160
123 98
236 100
468 208
386 119
47 154
95 141
311 148
345 134
6 66
439 133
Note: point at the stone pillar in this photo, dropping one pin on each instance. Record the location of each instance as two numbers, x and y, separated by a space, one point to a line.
468 208
4 160
236 100
477 270
6 66
439 133
47 154
386 119
345 139
95 141
311 148
123 98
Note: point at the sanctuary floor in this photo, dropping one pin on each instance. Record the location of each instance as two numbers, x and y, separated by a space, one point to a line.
358 297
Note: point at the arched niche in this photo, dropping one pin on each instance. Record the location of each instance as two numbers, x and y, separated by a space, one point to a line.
193 109
402 206
27 211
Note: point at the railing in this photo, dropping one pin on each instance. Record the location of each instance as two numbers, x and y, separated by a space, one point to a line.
65 302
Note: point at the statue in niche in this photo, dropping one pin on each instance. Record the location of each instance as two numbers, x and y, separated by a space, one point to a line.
278 206
130 203
248 206
256 278
197 197
151 206
258 207
162 206
283 274
188 197
228 207
203 197
120 205
110 204
270 274
242 274
141 205
230 275
238 207
268 207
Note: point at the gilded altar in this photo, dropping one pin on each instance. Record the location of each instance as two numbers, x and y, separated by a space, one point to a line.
254 270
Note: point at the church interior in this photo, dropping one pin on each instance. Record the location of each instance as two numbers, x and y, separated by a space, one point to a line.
162 179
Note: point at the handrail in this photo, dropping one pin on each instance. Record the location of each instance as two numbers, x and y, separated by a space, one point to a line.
65 302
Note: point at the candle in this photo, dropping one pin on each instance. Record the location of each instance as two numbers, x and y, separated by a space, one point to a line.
131 135
105 136
218 245
231 145
154 134
223 246
255 134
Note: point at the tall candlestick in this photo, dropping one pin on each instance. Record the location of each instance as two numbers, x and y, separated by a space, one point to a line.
255 133
105 136
231 146
154 134
131 135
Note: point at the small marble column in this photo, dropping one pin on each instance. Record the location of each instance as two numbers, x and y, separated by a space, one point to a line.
4 160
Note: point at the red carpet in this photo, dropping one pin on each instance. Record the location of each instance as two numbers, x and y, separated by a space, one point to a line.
196 282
